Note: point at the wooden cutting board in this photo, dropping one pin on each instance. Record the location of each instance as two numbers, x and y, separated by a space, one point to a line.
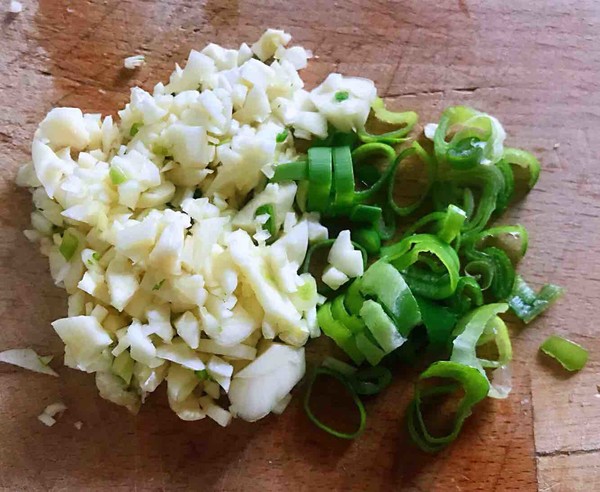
533 63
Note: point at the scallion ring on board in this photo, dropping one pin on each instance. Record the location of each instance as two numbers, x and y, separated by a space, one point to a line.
325 371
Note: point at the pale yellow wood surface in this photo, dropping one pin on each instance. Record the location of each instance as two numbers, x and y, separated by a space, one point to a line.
534 64
565 473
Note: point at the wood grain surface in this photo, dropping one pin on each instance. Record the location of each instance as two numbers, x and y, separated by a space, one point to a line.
533 63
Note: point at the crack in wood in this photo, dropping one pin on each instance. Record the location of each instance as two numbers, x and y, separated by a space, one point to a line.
430 92
562 452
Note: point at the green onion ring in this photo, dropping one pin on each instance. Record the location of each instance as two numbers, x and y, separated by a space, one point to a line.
348 386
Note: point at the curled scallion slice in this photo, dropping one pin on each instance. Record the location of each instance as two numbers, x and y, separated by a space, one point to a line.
572 356
355 398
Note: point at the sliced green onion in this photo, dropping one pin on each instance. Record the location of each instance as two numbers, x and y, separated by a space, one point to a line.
409 118
525 160
341 96
381 326
465 153
469 331
415 149
475 387
269 225
468 202
348 386
479 139
512 239
495 330
447 225
495 269
368 238
302 195
367 176
353 300
335 138
572 356
282 136
384 283
405 120
338 366
507 191
68 245
391 138
339 333
343 179
341 314
526 304
365 213
439 322
369 348
117 176
290 171
488 180
361 155
432 218
386 225
370 380
451 223
467 295
320 177
433 285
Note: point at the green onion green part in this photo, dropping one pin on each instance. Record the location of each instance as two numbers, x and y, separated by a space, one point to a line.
68 245
282 136
572 356
203 375
290 171
404 120
368 238
341 96
270 225
370 380
159 284
524 160
320 177
135 128
526 304
116 175
350 388
408 257
472 382
343 179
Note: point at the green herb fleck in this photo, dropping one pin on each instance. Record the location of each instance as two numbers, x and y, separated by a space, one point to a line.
282 136
94 259
116 175
68 245
203 375
197 193
159 285
341 96
160 150
134 129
